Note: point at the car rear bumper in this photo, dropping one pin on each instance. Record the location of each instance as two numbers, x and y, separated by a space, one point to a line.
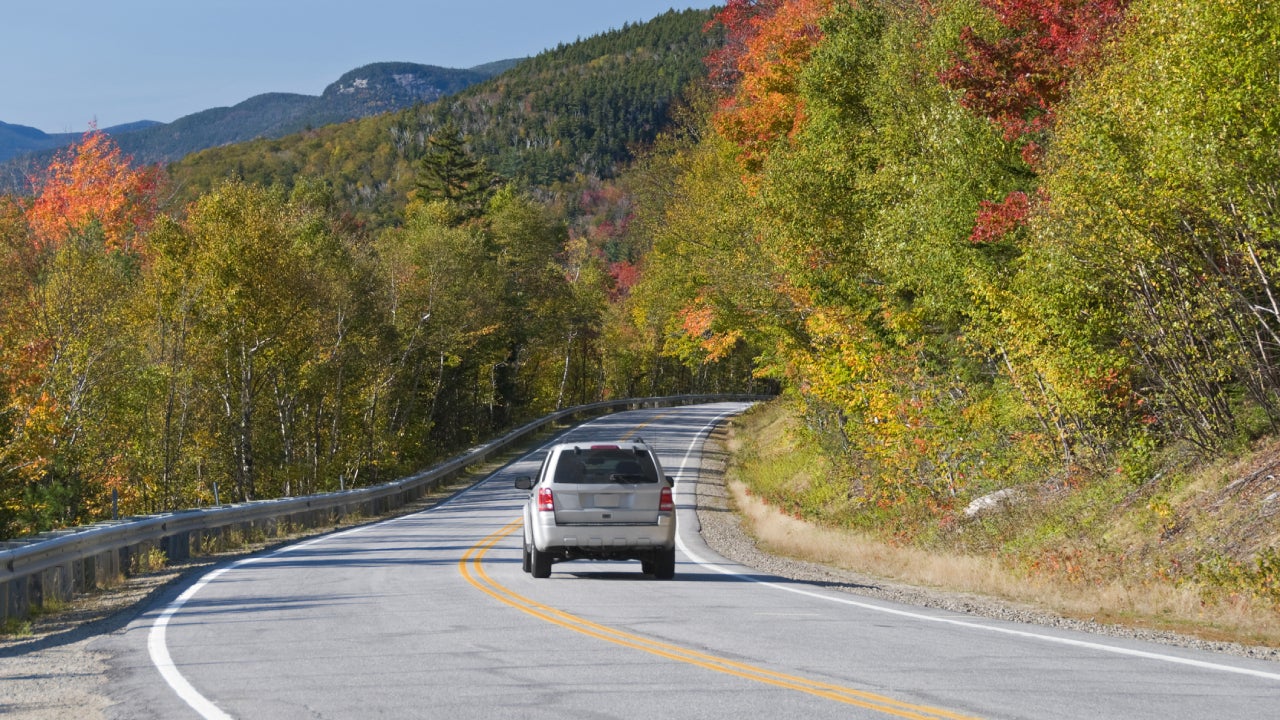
604 539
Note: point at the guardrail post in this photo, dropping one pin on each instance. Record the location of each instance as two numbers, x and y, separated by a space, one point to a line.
81 568
106 569
17 602
55 584
176 546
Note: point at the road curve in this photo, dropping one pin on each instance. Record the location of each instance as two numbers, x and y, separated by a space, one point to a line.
430 615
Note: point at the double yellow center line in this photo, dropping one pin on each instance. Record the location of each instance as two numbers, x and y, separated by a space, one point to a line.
472 568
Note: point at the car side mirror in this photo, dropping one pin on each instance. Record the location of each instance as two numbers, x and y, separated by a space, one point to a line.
524 483
671 480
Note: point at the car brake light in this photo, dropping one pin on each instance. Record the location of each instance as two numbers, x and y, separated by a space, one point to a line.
666 503
604 447
546 503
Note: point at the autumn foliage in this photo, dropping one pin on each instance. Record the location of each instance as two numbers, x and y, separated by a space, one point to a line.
93 182
739 20
624 275
768 43
981 242
1018 79
998 219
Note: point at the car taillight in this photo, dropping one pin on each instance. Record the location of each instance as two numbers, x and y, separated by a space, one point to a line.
546 503
666 503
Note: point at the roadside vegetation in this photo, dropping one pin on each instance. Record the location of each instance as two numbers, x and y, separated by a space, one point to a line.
1190 554
1010 263
152 572
237 328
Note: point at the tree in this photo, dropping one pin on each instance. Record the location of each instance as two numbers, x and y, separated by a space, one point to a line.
449 171
267 314
707 300
91 181
1149 294
445 303
1018 79
69 328
526 240
769 43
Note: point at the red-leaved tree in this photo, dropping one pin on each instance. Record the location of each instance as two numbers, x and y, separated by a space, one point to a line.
740 20
1019 79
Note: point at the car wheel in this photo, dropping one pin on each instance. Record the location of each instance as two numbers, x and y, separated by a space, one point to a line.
647 567
539 562
526 563
664 564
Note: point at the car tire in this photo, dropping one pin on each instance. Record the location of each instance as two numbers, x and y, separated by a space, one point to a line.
664 564
526 563
647 566
539 562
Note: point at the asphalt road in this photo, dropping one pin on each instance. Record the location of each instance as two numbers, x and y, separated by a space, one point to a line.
430 615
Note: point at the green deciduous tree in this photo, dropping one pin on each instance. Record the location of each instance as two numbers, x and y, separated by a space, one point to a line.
1152 276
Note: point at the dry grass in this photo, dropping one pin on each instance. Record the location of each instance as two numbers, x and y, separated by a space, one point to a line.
1129 593
783 534
1150 605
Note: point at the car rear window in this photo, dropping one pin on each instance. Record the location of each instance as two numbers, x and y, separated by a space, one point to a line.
599 466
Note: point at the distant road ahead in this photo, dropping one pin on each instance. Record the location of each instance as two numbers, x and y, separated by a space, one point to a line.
430 615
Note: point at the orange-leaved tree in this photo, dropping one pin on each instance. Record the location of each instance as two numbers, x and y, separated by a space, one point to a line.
92 181
69 357
768 43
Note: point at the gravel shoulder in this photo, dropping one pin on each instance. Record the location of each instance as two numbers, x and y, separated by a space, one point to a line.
723 530
52 673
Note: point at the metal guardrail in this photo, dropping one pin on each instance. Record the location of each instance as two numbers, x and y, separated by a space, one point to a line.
58 564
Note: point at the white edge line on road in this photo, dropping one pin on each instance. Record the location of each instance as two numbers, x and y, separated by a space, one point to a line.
946 620
164 663
158 648
159 651
156 640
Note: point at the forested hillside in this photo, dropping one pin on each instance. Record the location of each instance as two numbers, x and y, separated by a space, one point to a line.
256 337
577 110
368 90
18 140
1020 250
363 92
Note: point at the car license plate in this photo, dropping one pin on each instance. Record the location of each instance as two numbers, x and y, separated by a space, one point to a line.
605 501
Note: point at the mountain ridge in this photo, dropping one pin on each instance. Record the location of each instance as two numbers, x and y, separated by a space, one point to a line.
367 90
579 110
16 140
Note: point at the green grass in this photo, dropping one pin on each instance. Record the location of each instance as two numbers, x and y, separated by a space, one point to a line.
51 606
149 561
13 627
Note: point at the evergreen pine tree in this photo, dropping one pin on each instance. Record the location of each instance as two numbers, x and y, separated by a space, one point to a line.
449 171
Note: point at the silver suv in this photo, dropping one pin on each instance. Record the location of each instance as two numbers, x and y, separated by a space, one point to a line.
600 501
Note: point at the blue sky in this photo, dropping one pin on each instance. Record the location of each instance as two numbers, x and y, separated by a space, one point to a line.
69 62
